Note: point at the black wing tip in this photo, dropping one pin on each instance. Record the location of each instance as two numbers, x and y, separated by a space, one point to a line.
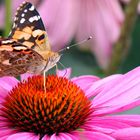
24 4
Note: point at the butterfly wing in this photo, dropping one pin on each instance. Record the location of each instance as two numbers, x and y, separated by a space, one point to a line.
28 28
16 59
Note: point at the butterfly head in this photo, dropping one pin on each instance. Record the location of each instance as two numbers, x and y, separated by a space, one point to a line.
51 59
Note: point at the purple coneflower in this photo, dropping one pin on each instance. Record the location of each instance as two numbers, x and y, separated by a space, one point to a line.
82 108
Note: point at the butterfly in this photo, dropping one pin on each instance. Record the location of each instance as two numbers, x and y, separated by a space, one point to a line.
27 48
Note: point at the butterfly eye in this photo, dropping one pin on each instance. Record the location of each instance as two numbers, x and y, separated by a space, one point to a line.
41 37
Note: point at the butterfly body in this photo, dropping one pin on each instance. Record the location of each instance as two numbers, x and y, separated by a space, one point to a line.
27 48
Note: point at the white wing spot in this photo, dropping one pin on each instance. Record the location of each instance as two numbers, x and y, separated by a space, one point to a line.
32 8
14 25
25 10
20 48
22 20
7 41
22 15
15 18
6 62
38 17
10 33
35 18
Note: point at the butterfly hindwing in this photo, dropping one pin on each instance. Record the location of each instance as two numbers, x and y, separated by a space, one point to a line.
16 58
28 28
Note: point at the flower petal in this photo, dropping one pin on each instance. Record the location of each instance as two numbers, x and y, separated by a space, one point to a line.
132 120
6 84
124 89
85 82
23 136
64 73
104 125
25 76
96 18
101 84
6 132
89 135
109 124
127 134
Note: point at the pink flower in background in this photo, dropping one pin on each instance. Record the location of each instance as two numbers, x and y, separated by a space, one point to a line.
80 19
65 112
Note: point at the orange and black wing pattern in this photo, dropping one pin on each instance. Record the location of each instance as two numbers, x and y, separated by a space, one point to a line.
28 28
16 58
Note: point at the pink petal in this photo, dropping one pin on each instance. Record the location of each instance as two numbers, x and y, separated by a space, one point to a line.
132 120
60 19
64 73
67 136
6 132
23 136
46 137
61 136
6 84
89 135
104 125
25 76
96 18
125 89
85 82
101 84
127 134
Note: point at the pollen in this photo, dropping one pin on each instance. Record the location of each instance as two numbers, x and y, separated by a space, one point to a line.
62 108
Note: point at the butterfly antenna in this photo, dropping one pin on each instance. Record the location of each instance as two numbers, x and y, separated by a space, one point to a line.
81 42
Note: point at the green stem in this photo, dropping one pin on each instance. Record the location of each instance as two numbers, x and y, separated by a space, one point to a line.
7 17
121 47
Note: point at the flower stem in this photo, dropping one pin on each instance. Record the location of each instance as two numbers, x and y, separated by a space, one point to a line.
7 17
121 47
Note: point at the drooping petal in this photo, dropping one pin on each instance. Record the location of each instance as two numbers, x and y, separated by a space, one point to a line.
119 95
100 85
61 136
104 125
64 73
102 20
89 135
109 124
132 120
6 84
25 76
6 132
85 82
23 136
132 133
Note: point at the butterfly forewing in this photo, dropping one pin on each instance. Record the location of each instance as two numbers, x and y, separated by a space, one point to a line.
28 28
27 48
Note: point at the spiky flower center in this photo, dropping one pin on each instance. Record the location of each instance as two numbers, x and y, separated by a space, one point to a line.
62 108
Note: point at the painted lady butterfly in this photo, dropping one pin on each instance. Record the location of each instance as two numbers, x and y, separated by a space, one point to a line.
27 48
